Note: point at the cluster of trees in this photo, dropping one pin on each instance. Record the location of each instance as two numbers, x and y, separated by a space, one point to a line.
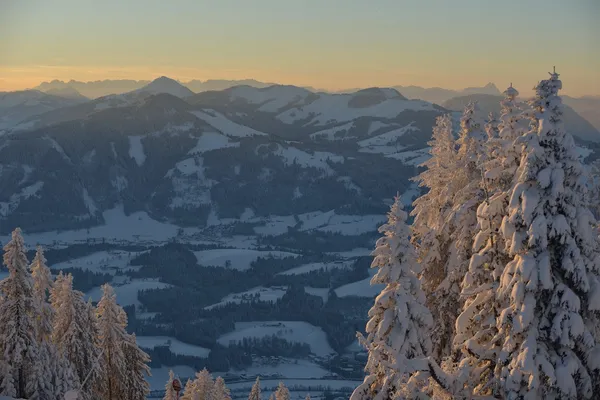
52 341
497 295
204 387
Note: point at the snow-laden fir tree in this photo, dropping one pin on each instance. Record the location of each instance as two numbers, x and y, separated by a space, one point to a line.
220 391
430 232
255 393
491 126
282 392
137 388
112 368
272 396
42 283
75 331
551 285
170 393
307 397
399 324
476 334
20 376
201 388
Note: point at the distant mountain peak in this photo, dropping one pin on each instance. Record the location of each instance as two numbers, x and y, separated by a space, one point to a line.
165 84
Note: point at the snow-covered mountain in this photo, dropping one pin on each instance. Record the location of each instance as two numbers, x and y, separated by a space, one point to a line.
15 107
438 95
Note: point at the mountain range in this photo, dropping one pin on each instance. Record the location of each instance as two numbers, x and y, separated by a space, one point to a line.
213 156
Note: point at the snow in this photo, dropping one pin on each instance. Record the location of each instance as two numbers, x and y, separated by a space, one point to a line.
293 331
343 224
320 292
362 288
299 369
240 258
330 134
224 125
410 194
212 141
89 202
276 225
330 108
358 252
376 125
272 98
165 85
136 150
137 226
99 262
318 159
290 383
261 293
176 346
306 268
15 199
413 157
387 138
127 294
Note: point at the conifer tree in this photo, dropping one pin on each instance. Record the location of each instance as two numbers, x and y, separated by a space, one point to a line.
170 393
221 392
255 391
42 283
137 388
430 230
551 285
112 321
282 392
19 349
75 331
201 388
398 329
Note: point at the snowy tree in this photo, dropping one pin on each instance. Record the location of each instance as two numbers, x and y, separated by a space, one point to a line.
221 392
137 388
491 126
282 393
201 388
170 393
255 391
42 283
551 286
75 331
307 397
111 334
430 232
21 375
399 324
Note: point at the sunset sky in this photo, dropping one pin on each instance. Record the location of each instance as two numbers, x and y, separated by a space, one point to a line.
330 44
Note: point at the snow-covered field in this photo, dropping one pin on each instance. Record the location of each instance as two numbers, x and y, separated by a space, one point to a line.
100 262
176 346
300 369
293 331
260 293
239 258
224 125
138 227
127 294
306 268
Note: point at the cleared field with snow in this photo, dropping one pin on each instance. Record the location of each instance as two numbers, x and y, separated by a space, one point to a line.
224 125
259 293
176 346
306 268
236 258
361 288
301 369
293 331
100 262
127 294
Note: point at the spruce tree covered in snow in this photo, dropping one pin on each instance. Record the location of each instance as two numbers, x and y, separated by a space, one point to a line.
221 392
201 388
75 331
170 393
19 349
551 286
398 329
111 335
476 333
42 283
137 388
255 391
491 126
307 397
430 231
282 392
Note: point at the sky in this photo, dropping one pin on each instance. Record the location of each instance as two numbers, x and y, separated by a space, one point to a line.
327 44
